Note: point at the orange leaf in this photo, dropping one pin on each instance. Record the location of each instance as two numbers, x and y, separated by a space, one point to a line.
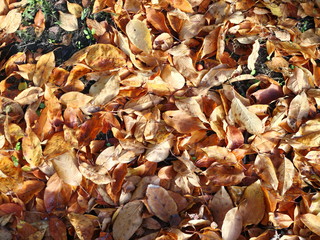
44 67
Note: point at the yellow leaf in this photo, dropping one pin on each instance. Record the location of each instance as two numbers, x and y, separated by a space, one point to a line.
274 8
82 224
139 35
285 175
68 21
10 176
102 57
75 9
31 148
252 205
183 5
44 67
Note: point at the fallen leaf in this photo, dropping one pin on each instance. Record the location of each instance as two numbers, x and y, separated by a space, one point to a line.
298 110
29 189
105 89
266 170
68 21
29 95
182 5
103 57
66 168
254 55
312 222
75 9
44 67
232 224
10 176
286 173
219 205
57 194
31 148
97 174
247 119
160 202
252 204
128 220
159 152
139 35
82 224
12 21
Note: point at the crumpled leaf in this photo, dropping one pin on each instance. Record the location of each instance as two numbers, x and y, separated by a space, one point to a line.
68 21
160 202
298 110
182 5
247 119
139 35
128 220
29 95
254 55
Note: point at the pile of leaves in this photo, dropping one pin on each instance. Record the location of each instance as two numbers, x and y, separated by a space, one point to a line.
162 119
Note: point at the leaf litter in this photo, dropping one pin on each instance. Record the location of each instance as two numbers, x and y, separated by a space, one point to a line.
173 119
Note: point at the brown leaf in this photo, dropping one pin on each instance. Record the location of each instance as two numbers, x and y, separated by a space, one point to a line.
160 202
219 205
82 224
103 57
57 194
182 121
57 229
97 174
39 22
44 67
10 176
298 110
29 95
128 221
160 151
157 19
183 5
29 189
286 173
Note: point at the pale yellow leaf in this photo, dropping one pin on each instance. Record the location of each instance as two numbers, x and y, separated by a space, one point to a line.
161 151
171 76
66 168
139 35
298 110
247 119
232 224
254 55
12 21
29 95
105 89
31 148
192 107
68 21
75 99
128 221
97 174
312 222
285 175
